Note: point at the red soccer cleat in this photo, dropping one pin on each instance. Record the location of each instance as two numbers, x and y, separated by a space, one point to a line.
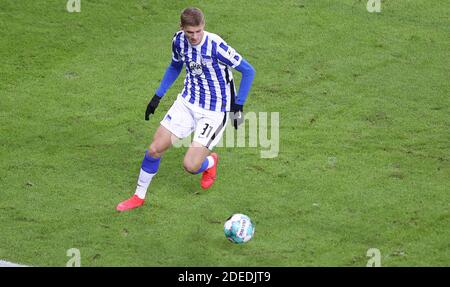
209 175
130 203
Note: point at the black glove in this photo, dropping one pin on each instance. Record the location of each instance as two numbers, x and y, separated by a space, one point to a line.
151 107
237 115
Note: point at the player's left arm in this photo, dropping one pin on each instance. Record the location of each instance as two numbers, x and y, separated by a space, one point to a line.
237 107
230 57
248 74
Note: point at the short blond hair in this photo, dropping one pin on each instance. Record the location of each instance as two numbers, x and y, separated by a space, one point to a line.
192 16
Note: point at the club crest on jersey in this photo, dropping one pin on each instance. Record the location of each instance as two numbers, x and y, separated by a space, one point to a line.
195 68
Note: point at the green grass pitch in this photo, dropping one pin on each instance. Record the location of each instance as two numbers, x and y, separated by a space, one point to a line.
364 135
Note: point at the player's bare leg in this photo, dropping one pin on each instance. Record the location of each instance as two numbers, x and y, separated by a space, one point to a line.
162 140
200 159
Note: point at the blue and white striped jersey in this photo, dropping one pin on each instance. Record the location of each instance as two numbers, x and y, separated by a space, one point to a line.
208 83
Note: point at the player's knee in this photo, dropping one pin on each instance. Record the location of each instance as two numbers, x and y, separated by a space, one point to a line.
153 151
190 166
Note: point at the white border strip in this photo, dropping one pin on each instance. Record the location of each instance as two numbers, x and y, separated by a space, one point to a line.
10 264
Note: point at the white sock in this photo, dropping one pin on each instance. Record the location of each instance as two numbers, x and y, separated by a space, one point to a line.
143 182
210 161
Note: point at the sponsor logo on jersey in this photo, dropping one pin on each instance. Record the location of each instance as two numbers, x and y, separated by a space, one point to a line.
195 68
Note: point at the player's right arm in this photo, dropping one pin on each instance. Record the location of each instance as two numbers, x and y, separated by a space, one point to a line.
171 74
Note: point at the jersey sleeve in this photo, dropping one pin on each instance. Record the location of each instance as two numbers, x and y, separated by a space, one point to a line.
227 55
175 48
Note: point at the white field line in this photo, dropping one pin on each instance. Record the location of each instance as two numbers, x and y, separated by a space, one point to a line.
10 264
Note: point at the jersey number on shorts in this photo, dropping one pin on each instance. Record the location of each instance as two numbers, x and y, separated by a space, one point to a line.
207 128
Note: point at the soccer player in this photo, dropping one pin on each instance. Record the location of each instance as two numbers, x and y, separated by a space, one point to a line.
204 105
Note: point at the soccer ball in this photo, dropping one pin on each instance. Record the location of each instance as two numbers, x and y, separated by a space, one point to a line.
239 228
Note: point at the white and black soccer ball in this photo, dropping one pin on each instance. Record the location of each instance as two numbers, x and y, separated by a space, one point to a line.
239 228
